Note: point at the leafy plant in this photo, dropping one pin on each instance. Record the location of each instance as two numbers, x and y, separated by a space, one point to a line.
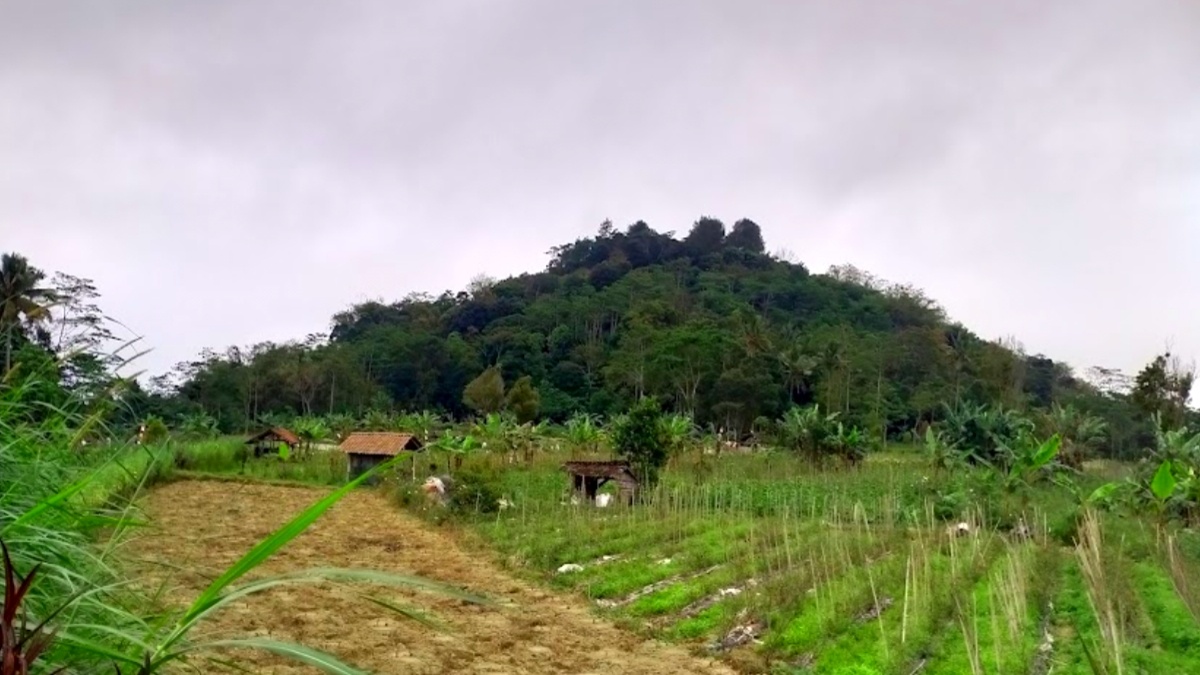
522 400
640 438
20 647
310 430
154 431
985 434
199 426
485 394
1080 432
584 433
941 454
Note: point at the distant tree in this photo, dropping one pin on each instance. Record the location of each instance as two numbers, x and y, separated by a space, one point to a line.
1163 389
523 400
641 437
22 300
707 236
747 235
485 394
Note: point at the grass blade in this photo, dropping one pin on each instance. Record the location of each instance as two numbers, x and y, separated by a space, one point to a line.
407 612
321 660
257 555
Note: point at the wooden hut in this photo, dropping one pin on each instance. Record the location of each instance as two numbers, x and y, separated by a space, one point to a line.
588 476
267 441
367 449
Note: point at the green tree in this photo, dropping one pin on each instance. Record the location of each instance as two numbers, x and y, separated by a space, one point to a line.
23 300
522 400
746 234
641 437
1162 389
707 236
485 394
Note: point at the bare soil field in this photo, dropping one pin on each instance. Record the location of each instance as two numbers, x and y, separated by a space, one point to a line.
197 528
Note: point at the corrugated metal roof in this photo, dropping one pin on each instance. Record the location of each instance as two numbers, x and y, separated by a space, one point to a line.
388 443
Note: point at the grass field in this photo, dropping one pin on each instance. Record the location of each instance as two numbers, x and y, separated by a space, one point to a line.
852 571
778 567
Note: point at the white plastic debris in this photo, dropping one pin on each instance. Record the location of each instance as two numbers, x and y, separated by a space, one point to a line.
726 592
603 500
504 503
664 561
569 568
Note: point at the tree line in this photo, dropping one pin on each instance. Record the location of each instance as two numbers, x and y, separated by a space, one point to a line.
710 324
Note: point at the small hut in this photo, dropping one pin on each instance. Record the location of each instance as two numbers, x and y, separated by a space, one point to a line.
267 441
367 449
588 476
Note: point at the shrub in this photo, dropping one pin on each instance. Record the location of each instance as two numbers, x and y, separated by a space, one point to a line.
475 491
640 437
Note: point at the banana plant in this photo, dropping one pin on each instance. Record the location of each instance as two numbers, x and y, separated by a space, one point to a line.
678 430
584 434
496 432
458 447
377 420
1027 461
341 425
200 425
310 430
941 453
1162 488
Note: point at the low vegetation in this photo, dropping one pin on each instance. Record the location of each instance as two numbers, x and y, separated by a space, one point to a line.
834 477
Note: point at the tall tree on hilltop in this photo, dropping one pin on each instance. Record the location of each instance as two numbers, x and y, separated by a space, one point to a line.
746 234
1163 389
22 300
707 236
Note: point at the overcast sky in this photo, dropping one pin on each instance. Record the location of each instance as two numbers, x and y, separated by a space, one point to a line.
231 172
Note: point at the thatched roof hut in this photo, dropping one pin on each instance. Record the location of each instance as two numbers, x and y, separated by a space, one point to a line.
367 449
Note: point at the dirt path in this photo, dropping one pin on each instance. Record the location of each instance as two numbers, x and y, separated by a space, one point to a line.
198 528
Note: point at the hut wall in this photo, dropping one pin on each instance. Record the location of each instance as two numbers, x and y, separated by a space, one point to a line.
360 464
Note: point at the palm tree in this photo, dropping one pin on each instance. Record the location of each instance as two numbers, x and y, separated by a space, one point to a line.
21 299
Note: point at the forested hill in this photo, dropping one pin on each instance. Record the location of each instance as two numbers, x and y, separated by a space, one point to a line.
711 324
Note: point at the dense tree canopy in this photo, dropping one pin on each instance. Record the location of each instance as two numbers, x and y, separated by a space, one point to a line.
709 325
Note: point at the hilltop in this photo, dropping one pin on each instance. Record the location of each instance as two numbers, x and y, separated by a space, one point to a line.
710 324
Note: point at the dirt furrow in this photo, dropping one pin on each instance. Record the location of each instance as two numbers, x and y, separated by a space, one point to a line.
197 528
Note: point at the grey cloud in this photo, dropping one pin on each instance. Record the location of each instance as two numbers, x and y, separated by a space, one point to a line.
207 160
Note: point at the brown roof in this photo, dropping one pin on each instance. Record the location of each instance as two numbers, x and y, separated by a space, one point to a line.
379 443
599 468
276 432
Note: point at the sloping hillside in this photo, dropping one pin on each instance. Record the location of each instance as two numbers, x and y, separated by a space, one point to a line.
710 323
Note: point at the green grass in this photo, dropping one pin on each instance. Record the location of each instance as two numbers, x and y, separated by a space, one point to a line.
811 551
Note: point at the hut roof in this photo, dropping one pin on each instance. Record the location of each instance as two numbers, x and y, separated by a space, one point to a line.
387 443
600 468
275 432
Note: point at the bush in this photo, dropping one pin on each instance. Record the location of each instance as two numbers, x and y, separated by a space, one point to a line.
475 491
640 438
155 431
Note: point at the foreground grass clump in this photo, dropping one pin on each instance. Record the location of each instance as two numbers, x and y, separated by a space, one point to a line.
859 570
